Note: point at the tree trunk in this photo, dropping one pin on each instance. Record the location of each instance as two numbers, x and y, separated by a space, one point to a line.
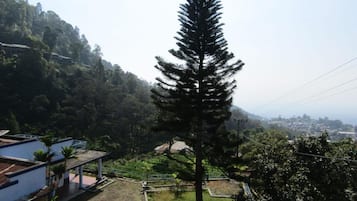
198 151
199 168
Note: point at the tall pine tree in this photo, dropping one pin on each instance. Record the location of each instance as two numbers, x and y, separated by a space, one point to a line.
195 97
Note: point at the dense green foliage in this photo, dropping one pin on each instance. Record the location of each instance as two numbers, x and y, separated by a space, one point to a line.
75 101
82 99
310 168
194 98
21 23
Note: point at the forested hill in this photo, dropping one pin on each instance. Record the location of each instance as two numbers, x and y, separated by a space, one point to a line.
53 81
21 23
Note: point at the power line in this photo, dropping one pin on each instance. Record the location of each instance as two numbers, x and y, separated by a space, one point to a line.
341 71
334 94
308 82
327 90
329 72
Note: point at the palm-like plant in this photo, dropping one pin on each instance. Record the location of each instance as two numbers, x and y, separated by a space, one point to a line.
68 152
48 141
43 156
59 170
40 155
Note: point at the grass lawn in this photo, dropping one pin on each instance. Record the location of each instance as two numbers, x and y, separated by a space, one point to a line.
186 196
120 190
140 167
224 187
143 166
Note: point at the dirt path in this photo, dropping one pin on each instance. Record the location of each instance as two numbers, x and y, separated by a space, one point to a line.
120 190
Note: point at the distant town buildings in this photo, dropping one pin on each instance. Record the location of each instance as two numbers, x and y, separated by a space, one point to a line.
314 127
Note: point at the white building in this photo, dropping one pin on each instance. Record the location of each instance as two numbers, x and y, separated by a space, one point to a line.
19 178
23 147
21 175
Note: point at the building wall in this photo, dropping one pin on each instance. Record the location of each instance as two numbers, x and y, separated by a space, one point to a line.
57 148
26 150
23 150
28 182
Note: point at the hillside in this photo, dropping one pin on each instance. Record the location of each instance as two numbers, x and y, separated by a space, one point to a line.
54 82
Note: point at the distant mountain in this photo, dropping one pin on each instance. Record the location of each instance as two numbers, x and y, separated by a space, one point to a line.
249 115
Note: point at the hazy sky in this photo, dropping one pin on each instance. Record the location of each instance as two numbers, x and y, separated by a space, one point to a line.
284 44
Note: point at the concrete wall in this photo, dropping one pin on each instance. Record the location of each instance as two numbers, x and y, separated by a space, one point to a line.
26 150
23 150
27 183
33 180
57 148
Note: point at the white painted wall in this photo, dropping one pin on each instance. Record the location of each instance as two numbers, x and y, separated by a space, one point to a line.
23 150
57 148
29 182
26 150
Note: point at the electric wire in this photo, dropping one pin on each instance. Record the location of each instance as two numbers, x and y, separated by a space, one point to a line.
334 94
325 157
325 91
308 83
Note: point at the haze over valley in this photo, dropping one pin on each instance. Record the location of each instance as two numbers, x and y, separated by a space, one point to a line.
285 45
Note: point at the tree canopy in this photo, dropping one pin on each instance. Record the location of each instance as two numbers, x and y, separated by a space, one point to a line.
310 168
194 98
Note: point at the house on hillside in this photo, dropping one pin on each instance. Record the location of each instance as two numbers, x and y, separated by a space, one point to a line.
18 49
21 177
13 49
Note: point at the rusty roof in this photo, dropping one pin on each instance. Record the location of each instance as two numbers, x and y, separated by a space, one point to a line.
13 165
